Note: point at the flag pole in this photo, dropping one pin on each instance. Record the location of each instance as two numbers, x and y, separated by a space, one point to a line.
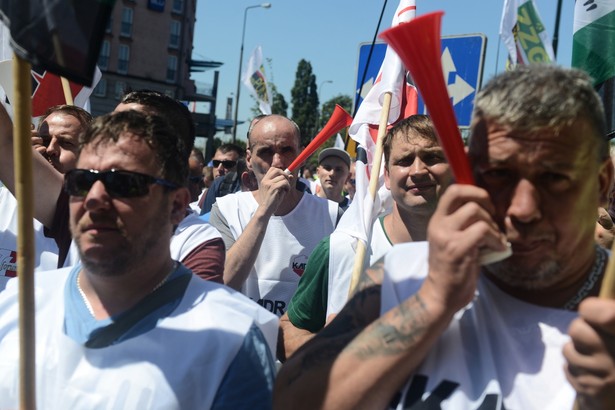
68 95
359 260
25 241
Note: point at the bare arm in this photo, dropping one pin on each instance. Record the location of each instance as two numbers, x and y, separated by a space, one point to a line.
290 338
240 258
360 362
47 181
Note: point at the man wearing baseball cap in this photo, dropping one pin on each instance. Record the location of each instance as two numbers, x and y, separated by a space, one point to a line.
333 171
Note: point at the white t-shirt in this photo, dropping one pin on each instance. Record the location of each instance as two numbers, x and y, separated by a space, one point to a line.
498 352
342 253
288 242
46 250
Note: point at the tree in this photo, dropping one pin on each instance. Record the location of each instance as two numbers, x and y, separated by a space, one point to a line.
343 101
279 104
305 101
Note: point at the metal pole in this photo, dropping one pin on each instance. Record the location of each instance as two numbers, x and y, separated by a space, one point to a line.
556 30
243 35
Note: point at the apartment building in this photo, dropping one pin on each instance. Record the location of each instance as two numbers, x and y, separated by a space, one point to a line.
148 45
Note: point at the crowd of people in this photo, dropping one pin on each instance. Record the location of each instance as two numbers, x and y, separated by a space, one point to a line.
154 290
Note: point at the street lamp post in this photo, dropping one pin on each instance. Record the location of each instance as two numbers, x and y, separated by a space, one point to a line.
243 35
320 104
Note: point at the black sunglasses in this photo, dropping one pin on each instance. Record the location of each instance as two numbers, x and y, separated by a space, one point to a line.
227 163
119 184
195 179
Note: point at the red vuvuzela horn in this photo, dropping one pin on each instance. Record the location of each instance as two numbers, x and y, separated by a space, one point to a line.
417 43
339 119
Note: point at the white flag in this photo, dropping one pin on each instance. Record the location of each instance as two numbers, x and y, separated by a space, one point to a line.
254 78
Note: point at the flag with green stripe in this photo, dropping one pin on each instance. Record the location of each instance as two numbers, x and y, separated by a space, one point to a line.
593 50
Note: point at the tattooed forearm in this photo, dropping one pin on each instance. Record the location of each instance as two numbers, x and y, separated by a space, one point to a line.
394 333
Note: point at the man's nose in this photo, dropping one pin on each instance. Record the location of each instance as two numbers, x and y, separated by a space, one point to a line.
417 167
278 161
97 197
525 202
53 149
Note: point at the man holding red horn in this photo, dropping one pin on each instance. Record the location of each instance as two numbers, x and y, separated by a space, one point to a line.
269 233
522 333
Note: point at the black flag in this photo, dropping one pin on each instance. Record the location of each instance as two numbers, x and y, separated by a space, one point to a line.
61 36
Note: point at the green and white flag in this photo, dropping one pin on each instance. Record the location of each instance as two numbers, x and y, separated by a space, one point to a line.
593 50
522 31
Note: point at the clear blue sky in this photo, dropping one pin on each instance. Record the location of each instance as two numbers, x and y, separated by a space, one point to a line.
328 35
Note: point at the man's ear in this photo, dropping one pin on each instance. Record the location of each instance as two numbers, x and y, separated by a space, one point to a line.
605 181
387 178
180 200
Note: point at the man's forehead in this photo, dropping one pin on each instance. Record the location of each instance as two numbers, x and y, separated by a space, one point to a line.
415 141
496 142
273 128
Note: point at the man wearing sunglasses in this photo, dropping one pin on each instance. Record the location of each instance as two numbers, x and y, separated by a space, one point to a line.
225 159
270 232
105 326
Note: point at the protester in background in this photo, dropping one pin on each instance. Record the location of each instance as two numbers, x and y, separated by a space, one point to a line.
56 141
269 233
196 162
333 172
104 325
456 334
416 173
350 187
225 159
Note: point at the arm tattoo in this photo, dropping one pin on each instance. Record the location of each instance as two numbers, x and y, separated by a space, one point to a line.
395 333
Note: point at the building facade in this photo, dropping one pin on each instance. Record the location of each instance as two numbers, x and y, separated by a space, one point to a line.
148 45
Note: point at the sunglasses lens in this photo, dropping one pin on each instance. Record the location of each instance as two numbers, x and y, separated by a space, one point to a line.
126 185
227 163
78 182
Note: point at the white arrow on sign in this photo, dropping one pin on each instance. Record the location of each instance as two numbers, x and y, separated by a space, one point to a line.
459 89
366 87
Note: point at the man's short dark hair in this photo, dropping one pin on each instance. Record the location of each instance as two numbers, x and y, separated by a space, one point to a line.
224 148
415 126
536 97
153 129
84 117
173 111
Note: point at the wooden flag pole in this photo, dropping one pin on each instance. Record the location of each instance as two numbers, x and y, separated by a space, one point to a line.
68 95
359 259
25 240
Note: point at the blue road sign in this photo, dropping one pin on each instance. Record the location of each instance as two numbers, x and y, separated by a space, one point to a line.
463 58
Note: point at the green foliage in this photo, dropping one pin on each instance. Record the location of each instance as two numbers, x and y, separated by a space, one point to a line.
343 101
305 101
279 104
